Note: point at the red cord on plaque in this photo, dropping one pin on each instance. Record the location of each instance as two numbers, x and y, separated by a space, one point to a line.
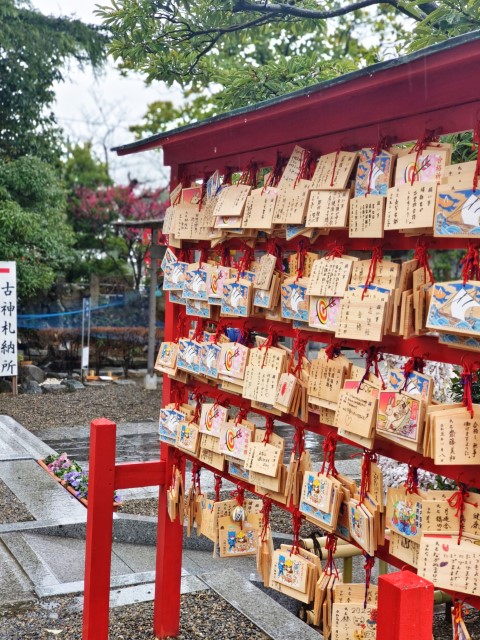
299 441
307 167
377 256
329 447
196 472
300 259
217 487
336 250
299 346
296 524
245 261
269 427
470 264
381 145
458 501
476 145
250 175
421 254
368 458
467 378
414 363
274 176
330 568
271 341
373 357
368 566
430 136
265 512
274 249
411 483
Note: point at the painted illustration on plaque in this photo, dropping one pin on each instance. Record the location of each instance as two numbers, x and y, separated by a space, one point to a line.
319 491
188 357
173 275
240 542
455 307
457 213
398 415
373 177
415 384
294 301
209 359
406 518
235 298
195 284
170 419
323 312
199 308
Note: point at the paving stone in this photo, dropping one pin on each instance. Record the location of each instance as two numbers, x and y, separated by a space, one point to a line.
267 614
42 496
124 383
36 569
15 588
137 557
16 441
65 557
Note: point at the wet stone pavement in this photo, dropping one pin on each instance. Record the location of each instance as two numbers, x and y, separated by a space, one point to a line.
139 442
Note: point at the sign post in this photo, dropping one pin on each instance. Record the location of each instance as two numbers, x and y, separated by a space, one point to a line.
85 348
8 322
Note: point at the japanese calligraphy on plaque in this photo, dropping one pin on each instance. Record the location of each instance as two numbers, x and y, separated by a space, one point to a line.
8 319
366 217
333 170
411 206
328 209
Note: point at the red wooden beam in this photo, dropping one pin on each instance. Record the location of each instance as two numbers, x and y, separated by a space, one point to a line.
405 607
166 614
98 553
131 475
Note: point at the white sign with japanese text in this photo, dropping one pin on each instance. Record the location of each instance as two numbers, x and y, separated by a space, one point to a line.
8 319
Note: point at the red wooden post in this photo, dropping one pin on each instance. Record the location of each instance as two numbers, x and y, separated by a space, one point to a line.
405 607
166 615
101 478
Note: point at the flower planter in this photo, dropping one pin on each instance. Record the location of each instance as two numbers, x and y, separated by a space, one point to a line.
84 501
50 473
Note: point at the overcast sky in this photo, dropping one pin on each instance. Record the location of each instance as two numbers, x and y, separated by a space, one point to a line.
102 109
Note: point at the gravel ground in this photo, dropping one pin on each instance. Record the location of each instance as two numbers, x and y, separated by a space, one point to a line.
203 615
11 509
129 403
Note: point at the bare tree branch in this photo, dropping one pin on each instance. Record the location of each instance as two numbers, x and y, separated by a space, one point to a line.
276 9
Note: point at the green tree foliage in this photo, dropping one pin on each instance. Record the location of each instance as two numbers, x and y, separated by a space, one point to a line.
231 53
82 169
34 50
32 218
225 56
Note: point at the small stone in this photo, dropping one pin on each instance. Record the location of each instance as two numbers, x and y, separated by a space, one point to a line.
5 386
73 385
31 386
54 388
32 372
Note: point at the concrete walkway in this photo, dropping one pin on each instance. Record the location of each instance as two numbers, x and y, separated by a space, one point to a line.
45 557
